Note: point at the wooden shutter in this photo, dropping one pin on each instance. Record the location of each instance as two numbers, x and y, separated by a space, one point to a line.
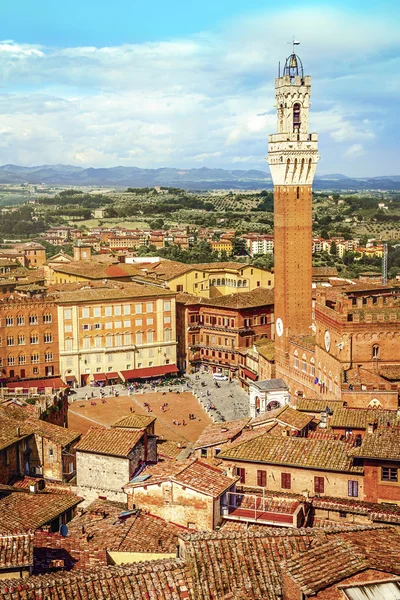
286 483
352 488
262 478
319 485
241 472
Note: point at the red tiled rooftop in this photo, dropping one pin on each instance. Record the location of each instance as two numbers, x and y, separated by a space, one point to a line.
113 442
103 524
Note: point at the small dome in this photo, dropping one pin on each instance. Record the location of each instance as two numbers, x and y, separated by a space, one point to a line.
293 66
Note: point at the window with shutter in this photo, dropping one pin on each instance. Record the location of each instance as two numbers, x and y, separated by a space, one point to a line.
262 478
319 484
352 488
240 472
286 483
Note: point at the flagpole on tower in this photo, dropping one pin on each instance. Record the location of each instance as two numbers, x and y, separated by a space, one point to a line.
294 43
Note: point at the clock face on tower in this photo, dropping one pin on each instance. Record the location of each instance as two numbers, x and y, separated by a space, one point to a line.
327 340
279 327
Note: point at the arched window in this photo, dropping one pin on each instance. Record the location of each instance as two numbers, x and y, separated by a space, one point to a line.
304 363
223 281
287 168
218 282
296 117
375 351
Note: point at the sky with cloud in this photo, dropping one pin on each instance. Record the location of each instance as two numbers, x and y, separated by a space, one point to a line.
185 84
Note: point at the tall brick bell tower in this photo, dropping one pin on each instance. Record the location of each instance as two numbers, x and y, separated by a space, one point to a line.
292 157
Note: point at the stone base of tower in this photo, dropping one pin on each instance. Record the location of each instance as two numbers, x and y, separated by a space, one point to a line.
293 263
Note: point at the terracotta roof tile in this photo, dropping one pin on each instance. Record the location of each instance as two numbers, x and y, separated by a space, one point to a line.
266 349
16 550
220 433
156 580
113 442
360 418
342 556
25 511
102 524
105 291
286 416
60 435
134 421
95 269
205 478
12 431
297 452
169 449
317 405
384 444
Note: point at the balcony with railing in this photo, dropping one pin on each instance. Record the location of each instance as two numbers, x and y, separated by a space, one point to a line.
264 509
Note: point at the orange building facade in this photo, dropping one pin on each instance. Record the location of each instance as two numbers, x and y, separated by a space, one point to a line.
216 334
29 338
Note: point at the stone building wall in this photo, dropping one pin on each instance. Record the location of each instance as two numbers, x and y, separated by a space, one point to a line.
101 475
175 503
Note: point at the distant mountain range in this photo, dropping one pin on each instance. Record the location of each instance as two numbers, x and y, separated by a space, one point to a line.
191 179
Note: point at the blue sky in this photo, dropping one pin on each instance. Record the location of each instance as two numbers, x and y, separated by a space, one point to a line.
190 84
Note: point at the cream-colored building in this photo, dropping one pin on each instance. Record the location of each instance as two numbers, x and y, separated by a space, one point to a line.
109 330
208 280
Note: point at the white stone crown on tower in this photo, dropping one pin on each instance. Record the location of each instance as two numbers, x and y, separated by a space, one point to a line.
292 151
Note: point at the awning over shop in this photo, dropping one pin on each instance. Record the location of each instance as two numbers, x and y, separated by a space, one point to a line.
250 374
112 375
149 372
52 382
70 378
99 376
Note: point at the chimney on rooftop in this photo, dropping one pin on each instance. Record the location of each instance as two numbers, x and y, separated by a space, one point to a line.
33 488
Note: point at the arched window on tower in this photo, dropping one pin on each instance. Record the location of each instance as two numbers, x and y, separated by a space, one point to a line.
296 117
375 351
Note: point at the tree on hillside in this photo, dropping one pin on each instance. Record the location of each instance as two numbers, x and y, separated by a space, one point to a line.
239 247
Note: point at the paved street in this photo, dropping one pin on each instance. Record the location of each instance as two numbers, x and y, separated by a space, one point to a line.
230 400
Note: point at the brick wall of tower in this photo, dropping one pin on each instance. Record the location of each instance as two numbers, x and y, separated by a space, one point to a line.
293 261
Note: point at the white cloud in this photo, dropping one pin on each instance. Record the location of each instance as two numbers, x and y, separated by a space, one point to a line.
206 99
354 151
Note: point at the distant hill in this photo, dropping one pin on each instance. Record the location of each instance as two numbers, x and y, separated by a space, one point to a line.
192 179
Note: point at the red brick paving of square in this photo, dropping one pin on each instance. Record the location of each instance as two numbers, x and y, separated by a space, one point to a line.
179 407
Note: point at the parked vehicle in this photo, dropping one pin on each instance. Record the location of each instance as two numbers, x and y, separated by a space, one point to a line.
219 377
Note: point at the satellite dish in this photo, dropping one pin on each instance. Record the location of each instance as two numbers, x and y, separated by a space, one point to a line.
63 530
